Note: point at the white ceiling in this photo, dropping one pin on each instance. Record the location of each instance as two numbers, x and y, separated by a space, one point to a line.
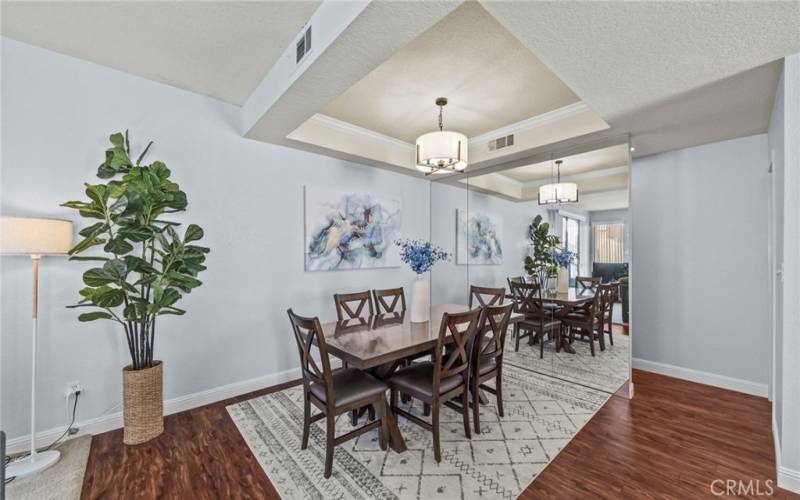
599 159
489 77
220 49
673 74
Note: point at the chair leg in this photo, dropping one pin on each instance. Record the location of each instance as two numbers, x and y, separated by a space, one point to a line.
516 334
541 347
465 411
393 400
611 332
498 389
329 445
437 451
371 412
591 341
306 422
354 418
476 403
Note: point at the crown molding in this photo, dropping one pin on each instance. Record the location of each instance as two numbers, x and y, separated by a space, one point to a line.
534 121
349 128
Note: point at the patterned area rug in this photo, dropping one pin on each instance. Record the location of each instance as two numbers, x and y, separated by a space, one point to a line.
541 415
606 371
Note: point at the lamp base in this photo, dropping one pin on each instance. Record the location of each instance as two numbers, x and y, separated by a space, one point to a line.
28 466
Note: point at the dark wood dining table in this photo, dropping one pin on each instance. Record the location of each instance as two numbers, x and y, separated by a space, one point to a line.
380 342
567 301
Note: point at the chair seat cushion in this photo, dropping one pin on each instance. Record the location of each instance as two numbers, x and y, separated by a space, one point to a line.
419 378
350 385
546 323
487 365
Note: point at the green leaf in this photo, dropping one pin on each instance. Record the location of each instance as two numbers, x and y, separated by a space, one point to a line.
193 233
172 310
118 206
97 277
106 172
94 315
117 139
93 230
184 280
86 243
110 297
116 268
98 193
138 264
136 233
118 246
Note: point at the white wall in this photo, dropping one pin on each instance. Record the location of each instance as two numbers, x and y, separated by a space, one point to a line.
56 116
784 150
700 259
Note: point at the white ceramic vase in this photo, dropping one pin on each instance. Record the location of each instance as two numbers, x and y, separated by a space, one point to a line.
420 300
563 280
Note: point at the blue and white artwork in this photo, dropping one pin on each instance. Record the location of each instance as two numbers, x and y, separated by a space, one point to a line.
350 230
478 237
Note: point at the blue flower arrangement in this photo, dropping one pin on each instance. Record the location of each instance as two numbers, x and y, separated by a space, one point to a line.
562 257
420 255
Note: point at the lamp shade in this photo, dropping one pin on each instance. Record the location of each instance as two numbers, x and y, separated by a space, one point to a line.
441 151
33 236
562 192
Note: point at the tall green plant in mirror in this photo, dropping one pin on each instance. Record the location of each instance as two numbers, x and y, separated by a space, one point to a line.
147 264
541 264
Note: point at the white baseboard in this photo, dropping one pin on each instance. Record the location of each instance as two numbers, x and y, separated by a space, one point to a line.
105 423
788 479
721 381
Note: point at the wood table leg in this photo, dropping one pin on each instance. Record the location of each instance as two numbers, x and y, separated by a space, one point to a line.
396 441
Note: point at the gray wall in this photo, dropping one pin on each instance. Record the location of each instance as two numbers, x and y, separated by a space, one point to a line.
701 296
57 114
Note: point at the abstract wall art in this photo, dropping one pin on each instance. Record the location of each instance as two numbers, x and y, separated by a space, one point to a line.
478 237
350 229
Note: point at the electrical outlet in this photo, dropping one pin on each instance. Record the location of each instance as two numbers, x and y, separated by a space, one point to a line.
73 389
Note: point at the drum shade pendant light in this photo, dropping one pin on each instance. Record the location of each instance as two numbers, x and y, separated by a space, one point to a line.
441 151
558 192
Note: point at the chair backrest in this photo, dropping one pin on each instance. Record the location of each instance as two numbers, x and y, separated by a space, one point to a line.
486 296
351 305
605 292
515 279
491 337
588 282
615 291
397 300
527 299
307 334
462 327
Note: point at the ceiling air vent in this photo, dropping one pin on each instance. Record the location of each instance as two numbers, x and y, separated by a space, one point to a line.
501 142
304 45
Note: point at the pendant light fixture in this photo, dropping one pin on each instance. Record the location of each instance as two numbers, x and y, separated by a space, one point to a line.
558 192
441 151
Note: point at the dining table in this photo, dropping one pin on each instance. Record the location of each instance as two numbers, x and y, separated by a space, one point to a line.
380 342
565 302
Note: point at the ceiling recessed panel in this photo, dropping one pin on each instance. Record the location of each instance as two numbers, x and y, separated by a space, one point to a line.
220 49
600 159
489 77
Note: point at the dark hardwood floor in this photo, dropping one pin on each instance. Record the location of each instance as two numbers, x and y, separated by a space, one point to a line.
671 441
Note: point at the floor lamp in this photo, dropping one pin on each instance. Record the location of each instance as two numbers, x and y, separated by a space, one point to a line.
34 238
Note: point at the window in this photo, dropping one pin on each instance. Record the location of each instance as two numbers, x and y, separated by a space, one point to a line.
609 243
571 240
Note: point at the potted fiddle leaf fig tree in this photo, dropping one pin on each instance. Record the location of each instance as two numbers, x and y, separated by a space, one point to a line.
145 268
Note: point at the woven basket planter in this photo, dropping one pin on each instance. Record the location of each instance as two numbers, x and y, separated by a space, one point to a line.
143 404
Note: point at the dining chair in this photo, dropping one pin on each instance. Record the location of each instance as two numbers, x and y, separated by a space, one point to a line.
486 296
588 282
539 320
351 305
587 320
487 358
334 392
397 297
609 295
446 377
514 279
